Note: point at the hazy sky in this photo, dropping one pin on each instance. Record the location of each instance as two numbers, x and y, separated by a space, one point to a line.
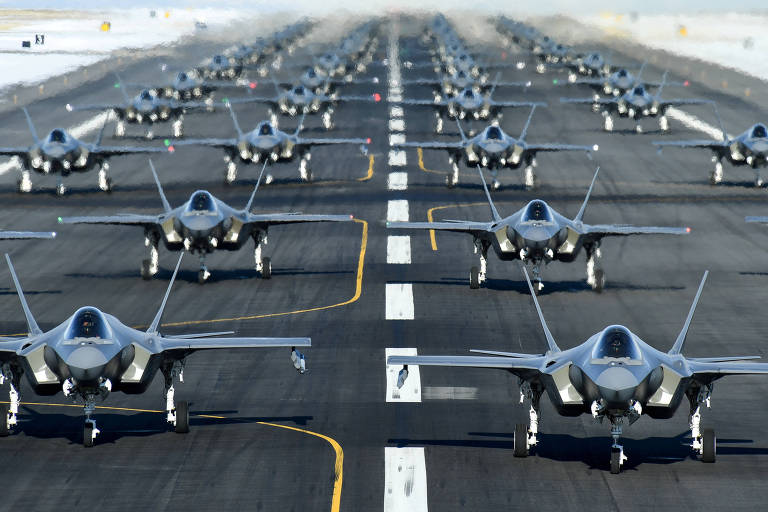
506 6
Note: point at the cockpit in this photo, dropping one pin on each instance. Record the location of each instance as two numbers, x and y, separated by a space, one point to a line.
311 73
299 91
616 342
182 77
537 211
145 95
201 203
639 91
57 135
266 129
469 94
218 59
622 73
493 133
88 323
759 132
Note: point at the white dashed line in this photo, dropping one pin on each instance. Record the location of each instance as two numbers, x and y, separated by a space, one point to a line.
399 250
396 112
397 158
396 125
405 479
397 210
397 181
396 138
411 390
695 123
399 302
395 98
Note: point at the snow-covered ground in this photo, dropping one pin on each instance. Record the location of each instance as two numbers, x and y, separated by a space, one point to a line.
76 38
734 40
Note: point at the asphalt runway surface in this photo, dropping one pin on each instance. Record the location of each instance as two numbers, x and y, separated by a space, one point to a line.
329 283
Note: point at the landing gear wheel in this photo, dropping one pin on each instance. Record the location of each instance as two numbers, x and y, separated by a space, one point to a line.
521 440
201 277
88 435
599 280
4 430
308 177
709 445
60 190
615 461
182 417
145 273
474 278
266 268
449 182
108 189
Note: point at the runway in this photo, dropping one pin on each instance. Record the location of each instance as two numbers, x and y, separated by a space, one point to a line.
333 282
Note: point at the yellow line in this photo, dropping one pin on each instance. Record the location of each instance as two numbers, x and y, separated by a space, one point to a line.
339 452
355 297
432 239
420 152
370 170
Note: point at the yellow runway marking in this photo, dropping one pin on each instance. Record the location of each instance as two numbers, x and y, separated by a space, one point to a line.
370 170
338 466
368 176
432 239
420 152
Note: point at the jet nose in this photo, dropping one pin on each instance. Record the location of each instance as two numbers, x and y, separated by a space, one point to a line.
86 364
617 385
760 147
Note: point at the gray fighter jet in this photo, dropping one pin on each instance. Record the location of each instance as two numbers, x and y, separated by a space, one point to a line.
202 225
268 144
637 104
537 234
323 85
62 154
614 375
92 353
146 108
494 149
452 84
749 148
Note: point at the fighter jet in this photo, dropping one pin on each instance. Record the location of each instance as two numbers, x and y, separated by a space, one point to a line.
453 84
537 235
749 148
300 100
185 86
267 143
613 375
494 149
637 104
323 85
619 82
146 108
221 67
92 353
202 225
62 154
468 104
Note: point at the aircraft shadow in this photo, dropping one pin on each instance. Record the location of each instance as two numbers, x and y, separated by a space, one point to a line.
549 286
12 291
594 451
114 426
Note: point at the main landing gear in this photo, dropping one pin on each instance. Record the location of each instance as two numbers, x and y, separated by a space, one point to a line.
9 411
704 441
305 173
150 266
105 182
529 174
263 265
452 179
478 275
177 414
24 185
716 176
595 272
525 435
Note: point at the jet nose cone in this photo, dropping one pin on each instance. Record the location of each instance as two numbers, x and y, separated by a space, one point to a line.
537 236
617 385
199 224
86 363
760 147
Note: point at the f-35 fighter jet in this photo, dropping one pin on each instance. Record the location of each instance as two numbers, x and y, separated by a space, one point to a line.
613 375
202 225
62 154
494 149
536 235
92 353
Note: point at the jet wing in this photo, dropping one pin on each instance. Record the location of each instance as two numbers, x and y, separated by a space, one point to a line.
254 99
712 144
518 366
752 218
421 81
218 143
96 106
326 142
14 151
430 145
125 150
681 101
601 230
25 235
712 371
535 148
599 101
455 226
9 347
294 218
510 104
422 103
219 343
129 219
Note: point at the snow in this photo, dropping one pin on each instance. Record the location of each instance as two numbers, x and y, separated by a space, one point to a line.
735 40
75 38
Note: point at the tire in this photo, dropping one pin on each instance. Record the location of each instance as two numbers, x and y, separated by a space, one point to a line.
88 435
474 278
599 280
449 182
4 430
521 440
145 273
201 277
709 444
266 268
615 461
182 417
109 186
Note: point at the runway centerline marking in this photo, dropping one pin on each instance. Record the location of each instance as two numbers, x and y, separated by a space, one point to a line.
396 112
338 451
399 249
405 479
411 390
432 238
396 138
396 125
399 301
397 210
397 181
397 158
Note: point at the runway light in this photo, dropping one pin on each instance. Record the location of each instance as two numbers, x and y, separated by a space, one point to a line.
686 83
60 221
167 142
554 81
225 100
368 140
171 149
351 216
117 85
503 55
687 230
252 85
376 97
